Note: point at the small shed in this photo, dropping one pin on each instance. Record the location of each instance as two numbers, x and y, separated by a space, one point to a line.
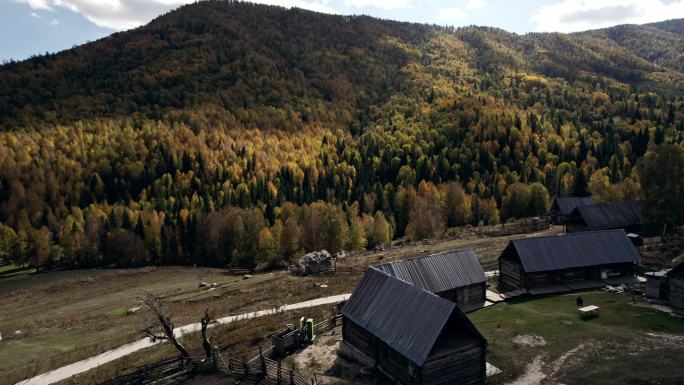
656 284
454 275
561 207
605 216
411 335
571 260
675 280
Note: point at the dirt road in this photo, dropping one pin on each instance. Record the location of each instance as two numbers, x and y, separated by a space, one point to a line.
90 363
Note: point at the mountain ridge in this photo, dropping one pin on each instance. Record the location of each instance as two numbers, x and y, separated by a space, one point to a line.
160 53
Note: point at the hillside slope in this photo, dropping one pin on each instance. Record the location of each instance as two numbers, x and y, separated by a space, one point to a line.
258 62
658 43
228 132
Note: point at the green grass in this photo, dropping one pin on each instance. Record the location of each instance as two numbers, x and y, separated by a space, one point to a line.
66 316
610 340
11 270
70 315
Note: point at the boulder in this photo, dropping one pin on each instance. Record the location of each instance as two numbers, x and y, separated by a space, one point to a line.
312 263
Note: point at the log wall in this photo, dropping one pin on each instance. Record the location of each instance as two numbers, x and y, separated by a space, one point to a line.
463 366
676 283
473 294
359 338
510 274
396 365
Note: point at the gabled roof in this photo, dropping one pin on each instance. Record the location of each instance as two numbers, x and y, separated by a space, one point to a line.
438 272
405 317
565 205
612 215
574 250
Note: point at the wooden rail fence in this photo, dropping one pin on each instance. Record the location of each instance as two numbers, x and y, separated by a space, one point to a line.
260 369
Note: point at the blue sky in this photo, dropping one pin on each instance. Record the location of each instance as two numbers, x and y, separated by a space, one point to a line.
29 27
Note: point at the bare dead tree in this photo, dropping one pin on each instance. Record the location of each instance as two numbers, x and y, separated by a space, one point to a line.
204 323
162 330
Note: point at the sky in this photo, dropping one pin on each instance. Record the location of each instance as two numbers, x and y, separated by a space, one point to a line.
30 27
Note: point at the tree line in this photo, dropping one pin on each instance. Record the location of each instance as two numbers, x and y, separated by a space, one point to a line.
201 139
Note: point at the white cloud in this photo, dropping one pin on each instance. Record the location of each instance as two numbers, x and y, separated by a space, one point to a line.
476 4
54 23
450 14
383 4
37 4
581 15
125 14
33 14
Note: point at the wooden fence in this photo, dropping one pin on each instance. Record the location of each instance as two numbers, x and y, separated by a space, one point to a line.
354 271
260 369
328 324
171 371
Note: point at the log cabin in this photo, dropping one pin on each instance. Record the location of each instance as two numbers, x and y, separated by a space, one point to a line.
570 261
656 286
561 207
454 275
675 281
412 336
605 216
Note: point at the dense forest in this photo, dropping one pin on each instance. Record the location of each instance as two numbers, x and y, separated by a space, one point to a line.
232 133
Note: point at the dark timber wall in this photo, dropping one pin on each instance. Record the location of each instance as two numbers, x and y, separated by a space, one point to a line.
468 295
676 283
512 275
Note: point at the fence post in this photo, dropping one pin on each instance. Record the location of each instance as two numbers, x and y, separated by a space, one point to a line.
245 366
278 373
230 364
262 361
292 375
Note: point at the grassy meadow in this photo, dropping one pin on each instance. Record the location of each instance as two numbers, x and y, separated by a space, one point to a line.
66 316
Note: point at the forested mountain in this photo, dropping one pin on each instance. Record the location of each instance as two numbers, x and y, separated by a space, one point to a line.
228 132
660 43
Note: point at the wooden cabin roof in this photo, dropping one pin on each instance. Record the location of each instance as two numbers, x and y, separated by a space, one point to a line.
573 250
407 318
565 205
437 273
612 215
